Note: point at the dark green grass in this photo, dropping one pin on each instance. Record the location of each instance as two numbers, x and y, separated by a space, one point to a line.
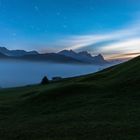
101 106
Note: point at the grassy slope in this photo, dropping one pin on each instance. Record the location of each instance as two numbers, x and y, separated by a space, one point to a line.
101 106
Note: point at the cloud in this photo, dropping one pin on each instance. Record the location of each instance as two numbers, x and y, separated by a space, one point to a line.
124 56
128 45
122 41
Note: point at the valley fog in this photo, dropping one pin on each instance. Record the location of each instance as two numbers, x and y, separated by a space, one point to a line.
21 73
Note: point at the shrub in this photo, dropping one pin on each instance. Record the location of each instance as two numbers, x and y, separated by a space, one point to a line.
44 81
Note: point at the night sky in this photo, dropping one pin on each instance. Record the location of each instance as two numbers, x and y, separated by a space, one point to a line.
110 27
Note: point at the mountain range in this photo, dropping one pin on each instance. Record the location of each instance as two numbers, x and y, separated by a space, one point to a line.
84 56
64 56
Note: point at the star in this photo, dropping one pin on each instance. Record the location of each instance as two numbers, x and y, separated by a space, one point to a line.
38 29
32 27
92 8
64 17
36 8
58 13
65 26
14 34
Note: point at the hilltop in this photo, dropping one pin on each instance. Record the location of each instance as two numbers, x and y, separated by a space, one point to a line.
99 106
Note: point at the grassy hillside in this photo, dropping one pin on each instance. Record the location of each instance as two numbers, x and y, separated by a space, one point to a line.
101 106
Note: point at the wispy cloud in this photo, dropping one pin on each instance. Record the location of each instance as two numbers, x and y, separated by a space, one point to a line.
125 46
122 41
124 56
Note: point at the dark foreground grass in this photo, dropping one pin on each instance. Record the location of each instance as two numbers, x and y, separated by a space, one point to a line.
101 106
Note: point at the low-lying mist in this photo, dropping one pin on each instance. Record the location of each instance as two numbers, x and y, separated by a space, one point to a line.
20 73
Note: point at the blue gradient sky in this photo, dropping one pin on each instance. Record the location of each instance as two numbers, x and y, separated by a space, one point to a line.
111 27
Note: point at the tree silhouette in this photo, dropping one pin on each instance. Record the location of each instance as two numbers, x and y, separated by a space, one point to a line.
44 81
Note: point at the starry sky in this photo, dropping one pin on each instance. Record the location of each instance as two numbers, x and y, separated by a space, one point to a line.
110 27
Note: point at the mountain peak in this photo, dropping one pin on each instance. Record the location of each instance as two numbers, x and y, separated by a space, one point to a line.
66 51
85 53
84 56
16 53
100 55
3 48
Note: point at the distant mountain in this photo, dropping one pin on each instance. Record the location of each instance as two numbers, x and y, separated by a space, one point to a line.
51 57
84 56
65 56
15 53
2 55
